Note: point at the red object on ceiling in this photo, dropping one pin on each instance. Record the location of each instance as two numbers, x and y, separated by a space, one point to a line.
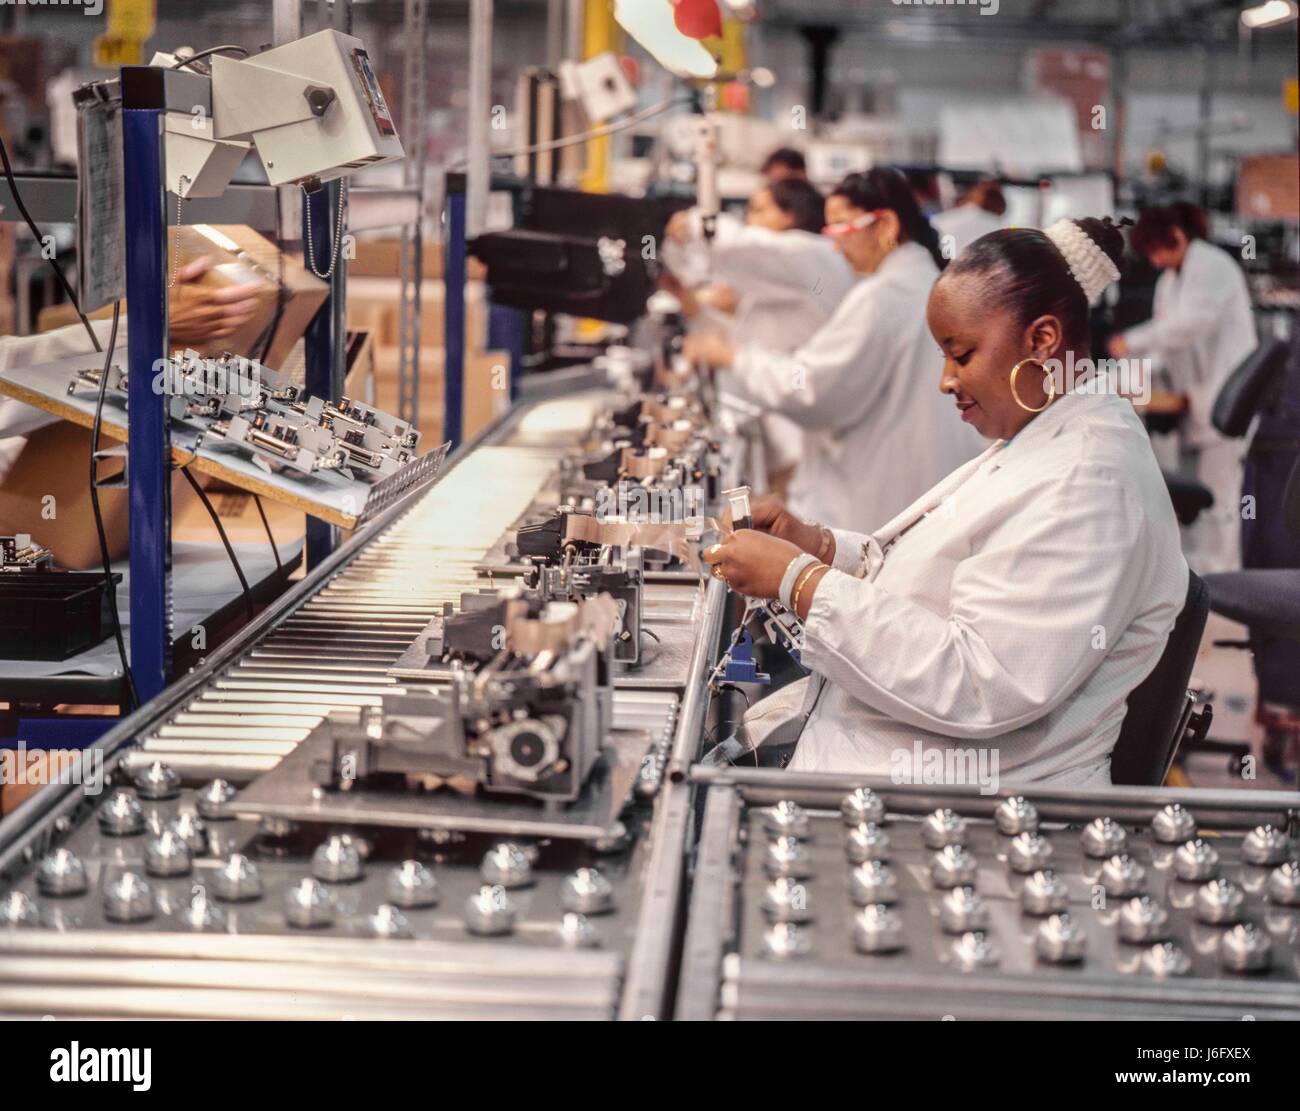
697 19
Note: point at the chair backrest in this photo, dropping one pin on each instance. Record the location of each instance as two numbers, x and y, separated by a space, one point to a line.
1244 392
1155 719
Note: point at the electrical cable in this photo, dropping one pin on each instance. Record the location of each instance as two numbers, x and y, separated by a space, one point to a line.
36 234
207 53
110 587
221 531
585 136
275 551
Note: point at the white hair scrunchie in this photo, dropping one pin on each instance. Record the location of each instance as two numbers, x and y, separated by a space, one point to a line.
1091 266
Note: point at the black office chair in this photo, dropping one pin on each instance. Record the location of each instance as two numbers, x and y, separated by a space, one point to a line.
1235 406
1267 600
1161 710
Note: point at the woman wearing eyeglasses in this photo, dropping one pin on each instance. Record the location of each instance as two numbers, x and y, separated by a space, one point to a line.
876 434
772 281
1013 607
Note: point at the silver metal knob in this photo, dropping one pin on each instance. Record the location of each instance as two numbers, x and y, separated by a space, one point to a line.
1246 948
1143 920
975 950
1044 893
786 818
1173 824
17 909
412 885
61 874
786 856
1061 940
489 912
202 913
1219 902
1016 815
237 880
787 939
577 932
213 800
1284 884
1103 837
877 929
587 891
866 841
1166 959
1265 845
786 900
1029 852
963 910
953 866
157 781
862 805
873 882
388 921
129 898
167 855
308 904
121 815
336 860
191 829
1196 861
506 865
1122 876
943 827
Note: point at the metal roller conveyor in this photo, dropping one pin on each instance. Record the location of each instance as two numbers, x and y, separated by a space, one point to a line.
177 893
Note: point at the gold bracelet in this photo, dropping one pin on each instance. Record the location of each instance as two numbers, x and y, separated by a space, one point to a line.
804 576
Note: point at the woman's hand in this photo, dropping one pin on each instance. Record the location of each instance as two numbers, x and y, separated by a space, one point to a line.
753 563
709 348
771 516
199 315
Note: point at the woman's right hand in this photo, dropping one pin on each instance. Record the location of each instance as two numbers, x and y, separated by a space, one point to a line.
771 516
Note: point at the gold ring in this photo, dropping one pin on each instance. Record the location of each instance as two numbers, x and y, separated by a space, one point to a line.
717 573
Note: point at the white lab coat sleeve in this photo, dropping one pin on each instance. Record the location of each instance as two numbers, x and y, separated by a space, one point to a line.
828 383
759 255
1189 316
1032 612
849 548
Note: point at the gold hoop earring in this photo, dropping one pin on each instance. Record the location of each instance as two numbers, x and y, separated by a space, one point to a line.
1051 384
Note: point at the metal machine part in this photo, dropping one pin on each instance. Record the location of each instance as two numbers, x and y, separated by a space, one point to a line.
21 553
949 925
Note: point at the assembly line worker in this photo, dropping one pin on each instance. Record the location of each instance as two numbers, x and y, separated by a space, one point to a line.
875 436
1200 330
780 279
1016 604
39 457
978 211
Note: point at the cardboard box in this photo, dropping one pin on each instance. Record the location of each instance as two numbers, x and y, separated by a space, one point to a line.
239 256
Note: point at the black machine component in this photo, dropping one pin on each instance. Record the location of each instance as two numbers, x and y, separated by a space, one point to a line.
577 252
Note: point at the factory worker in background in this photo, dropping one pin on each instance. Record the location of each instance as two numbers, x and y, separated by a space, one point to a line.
783 164
776 280
43 456
1200 330
1015 605
978 211
876 434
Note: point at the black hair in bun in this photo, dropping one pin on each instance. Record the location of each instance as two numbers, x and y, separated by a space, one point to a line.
1024 270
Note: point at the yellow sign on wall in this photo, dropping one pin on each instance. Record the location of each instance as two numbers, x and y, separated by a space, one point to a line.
131 19
112 51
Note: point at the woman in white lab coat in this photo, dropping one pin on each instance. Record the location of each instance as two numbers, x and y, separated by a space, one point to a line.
777 279
1009 611
875 436
980 210
1200 330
